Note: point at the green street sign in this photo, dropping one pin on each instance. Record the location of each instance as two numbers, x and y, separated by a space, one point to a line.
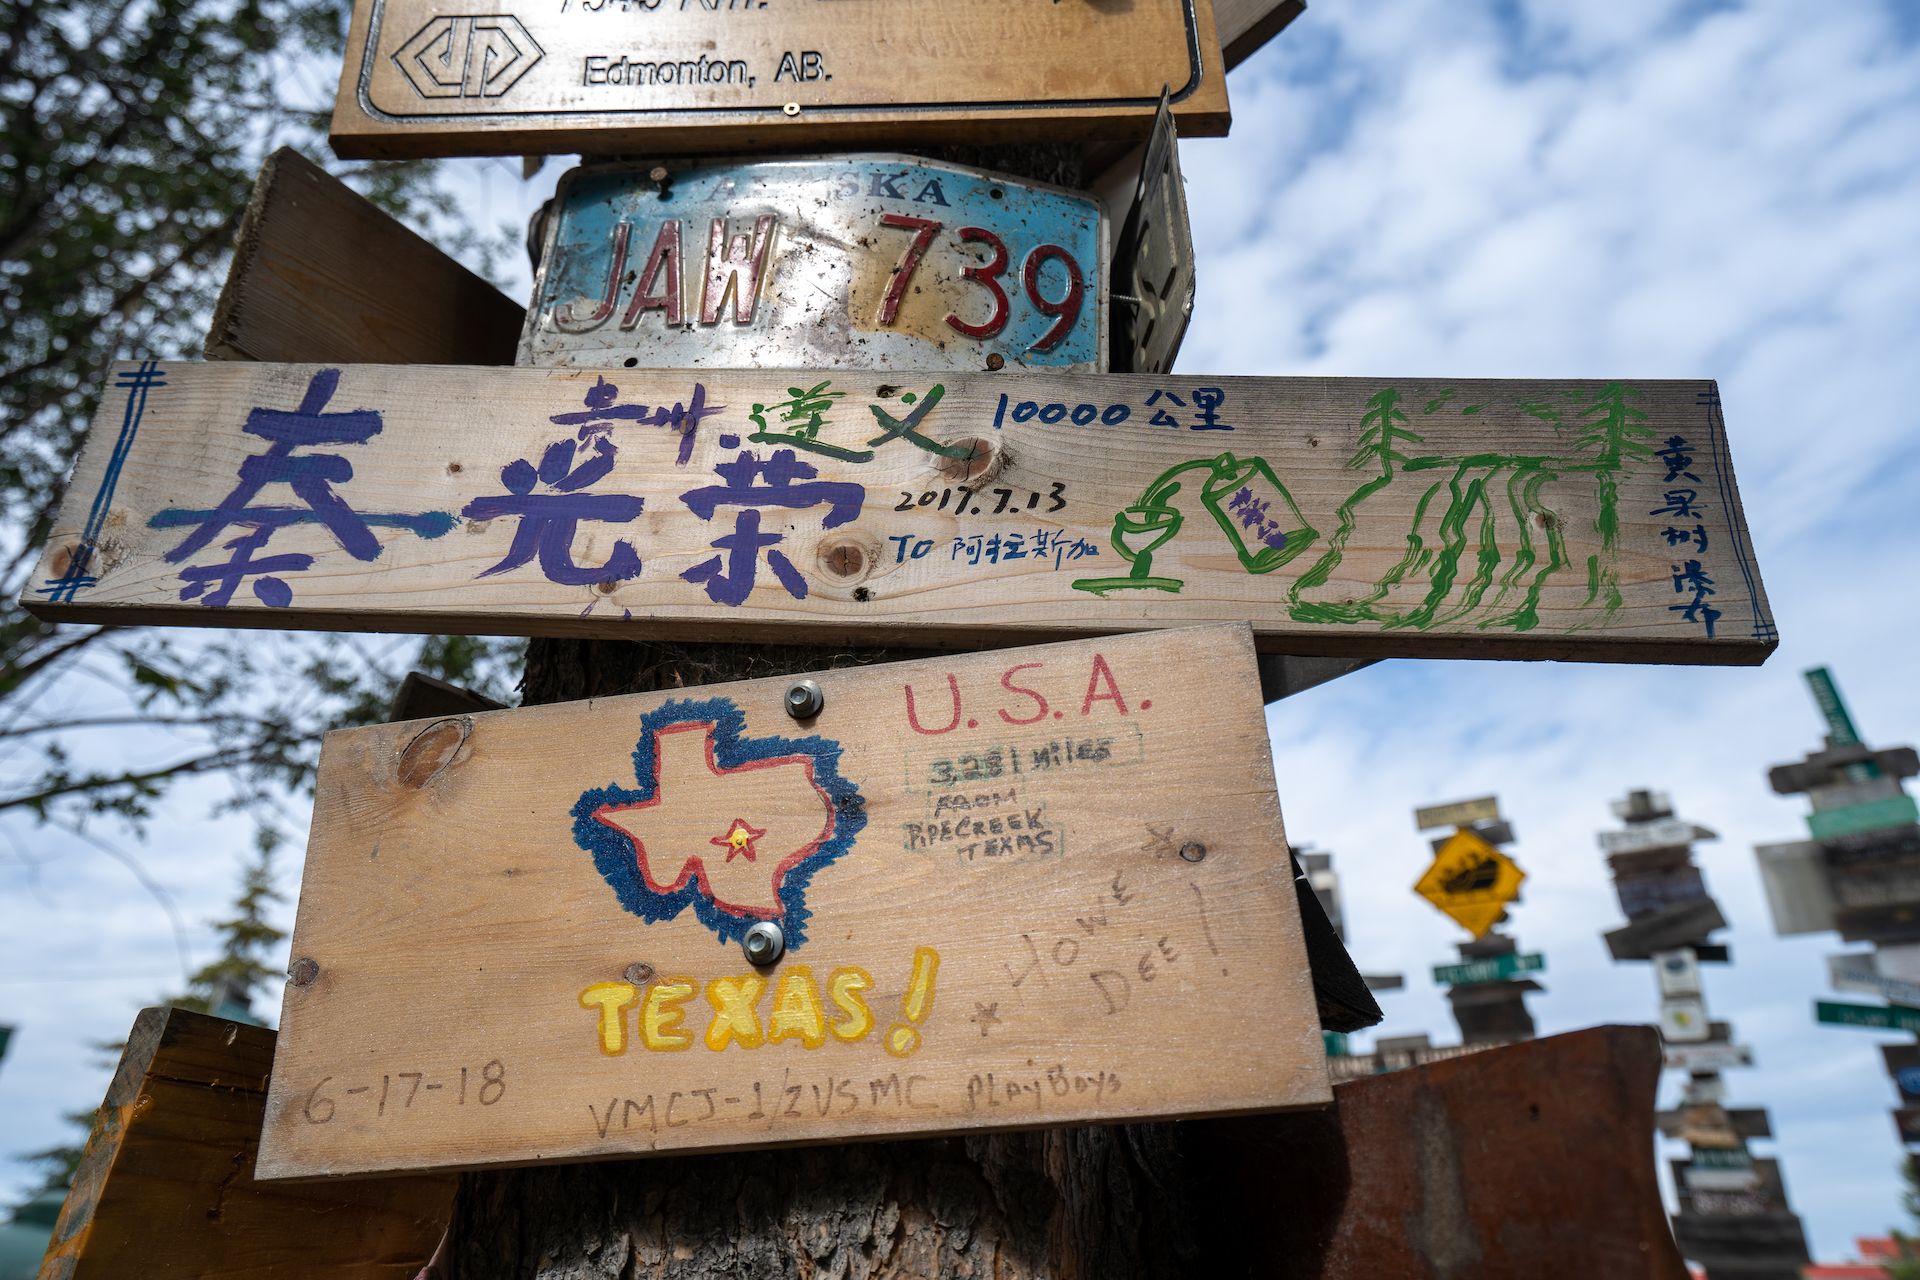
1887 1017
1497 969
1826 695
1722 1158
1875 815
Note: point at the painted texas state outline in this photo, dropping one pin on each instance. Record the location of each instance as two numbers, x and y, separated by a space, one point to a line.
734 827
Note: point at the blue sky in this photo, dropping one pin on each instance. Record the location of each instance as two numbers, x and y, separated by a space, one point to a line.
1515 188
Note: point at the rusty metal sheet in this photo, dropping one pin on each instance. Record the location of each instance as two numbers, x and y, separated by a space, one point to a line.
1519 1162
1153 264
878 261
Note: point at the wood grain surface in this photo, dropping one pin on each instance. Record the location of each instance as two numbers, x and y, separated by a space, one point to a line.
602 77
322 273
1046 886
165 1187
1358 517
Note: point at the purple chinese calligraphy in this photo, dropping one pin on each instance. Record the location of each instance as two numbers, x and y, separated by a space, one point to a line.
310 479
749 485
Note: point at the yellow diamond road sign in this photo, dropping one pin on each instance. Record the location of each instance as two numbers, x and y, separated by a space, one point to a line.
1471 881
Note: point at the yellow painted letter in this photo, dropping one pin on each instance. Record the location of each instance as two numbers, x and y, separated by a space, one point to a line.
796 1009
610 998
734 1018
660 1015
844 990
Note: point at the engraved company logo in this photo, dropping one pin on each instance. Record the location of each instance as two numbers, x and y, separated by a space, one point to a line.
732 826
467 56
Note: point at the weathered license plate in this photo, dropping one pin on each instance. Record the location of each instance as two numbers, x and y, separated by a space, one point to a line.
876 261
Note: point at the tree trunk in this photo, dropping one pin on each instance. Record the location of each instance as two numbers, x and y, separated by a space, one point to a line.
1103 1202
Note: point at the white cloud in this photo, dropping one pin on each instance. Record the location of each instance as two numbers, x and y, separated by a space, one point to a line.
1637 190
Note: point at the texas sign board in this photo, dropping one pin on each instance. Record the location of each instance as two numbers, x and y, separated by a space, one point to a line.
880 261
1044 886
604 77
954 508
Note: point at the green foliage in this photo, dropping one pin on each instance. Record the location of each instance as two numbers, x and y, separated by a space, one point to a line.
133 135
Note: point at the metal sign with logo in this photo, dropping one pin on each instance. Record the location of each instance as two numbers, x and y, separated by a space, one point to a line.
439 77
1471 881
880 261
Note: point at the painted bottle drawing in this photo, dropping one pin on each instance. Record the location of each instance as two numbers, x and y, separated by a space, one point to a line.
1247 500
1482 539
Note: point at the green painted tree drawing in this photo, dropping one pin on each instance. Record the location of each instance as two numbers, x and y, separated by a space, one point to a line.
1458 537
1616 434
1379 436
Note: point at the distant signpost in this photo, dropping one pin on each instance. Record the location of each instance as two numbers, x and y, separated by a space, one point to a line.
428 77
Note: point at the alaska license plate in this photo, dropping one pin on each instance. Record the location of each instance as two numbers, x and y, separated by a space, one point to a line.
872 261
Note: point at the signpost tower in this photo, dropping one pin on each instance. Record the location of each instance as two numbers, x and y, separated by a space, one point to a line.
1858 874
1473 882
1734 1218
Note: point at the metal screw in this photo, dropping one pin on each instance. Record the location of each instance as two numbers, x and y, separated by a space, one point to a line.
791 109
764 943
639 973
1193 851
804 700
304 971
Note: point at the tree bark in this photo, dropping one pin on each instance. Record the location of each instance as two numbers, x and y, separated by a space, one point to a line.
1104 1203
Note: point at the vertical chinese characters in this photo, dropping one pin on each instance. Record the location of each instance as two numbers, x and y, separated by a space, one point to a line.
1686 527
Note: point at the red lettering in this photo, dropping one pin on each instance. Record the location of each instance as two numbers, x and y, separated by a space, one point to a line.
913 717
664 260
1006 682
1102 671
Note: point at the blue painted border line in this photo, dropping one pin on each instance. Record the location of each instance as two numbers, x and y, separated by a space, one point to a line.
1723 479
138 382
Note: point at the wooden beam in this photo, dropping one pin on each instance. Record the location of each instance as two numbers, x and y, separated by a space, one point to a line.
687 79
1344 517
322 273
1246 25
165 1187
1047 886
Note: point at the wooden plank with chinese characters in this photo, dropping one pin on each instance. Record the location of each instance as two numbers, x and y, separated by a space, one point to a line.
322 273
1046 886
1376 517
165 1187
611 76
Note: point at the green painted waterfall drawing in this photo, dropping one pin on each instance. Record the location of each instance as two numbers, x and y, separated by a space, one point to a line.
1483 538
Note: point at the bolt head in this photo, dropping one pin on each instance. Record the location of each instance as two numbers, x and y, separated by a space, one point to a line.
805 699
765 943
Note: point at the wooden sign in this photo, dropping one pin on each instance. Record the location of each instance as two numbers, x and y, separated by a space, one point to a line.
425 77
1471 882
1046 886
1357 516
320 272
166 1190
1461 813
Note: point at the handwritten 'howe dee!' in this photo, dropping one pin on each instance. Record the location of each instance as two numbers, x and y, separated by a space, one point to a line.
1040 886
1369 517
